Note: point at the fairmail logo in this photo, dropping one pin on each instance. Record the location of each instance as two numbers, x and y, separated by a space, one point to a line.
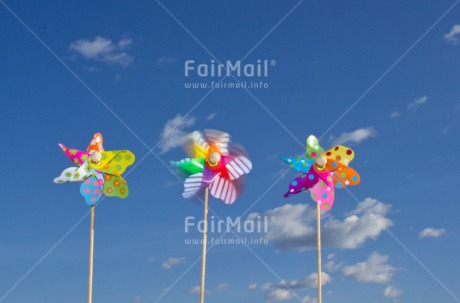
259 69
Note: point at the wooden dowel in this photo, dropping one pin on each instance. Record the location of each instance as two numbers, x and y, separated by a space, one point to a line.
91 250
318 239
203 260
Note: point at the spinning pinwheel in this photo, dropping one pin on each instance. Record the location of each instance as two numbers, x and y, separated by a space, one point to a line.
213 167
99 172
321 172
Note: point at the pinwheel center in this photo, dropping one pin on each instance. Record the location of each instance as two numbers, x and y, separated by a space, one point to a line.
321 162
214 158
96 157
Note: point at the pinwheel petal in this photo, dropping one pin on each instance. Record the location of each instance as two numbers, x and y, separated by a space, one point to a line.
114 162
300 164
192 185
238 166
91 190
195 145
96 144
313 148
99 176
218 139
341 154
74 174
345 177
190 166
323 193
209 176
303 183
77 157
115 186
223 189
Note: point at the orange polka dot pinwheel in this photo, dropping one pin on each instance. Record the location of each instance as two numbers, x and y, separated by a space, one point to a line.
322 171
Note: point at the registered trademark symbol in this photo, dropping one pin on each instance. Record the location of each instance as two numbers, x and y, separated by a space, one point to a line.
272 62
273 219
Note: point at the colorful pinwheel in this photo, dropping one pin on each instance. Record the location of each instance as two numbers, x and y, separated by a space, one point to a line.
98 170
212 165
321 172
214 168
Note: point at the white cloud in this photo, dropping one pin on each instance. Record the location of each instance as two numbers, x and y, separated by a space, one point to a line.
374 270
308 299
414 105
310 281
430 232
279 295
356 136
392 292
395 115
104 50
295 226
222 286
266 286
330 265
195 290
211 116
151 259
252 286
166 60
172 134
168 264
453 36
91 68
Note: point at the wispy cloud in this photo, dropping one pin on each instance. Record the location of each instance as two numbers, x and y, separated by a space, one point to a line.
430 232
392 292
308 299
137 299
168 264
374 270
453 36
294 228
310 281
356 136
91 68
395 115
195 290
282 291
211 116
252 286
173 132
279 295
104 50
164 60
222 286
414 105
151 259
331 265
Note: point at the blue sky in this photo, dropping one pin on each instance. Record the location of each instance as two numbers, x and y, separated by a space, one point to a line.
381 77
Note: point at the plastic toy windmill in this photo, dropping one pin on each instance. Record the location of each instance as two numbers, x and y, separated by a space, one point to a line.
213 167
99 172
321 172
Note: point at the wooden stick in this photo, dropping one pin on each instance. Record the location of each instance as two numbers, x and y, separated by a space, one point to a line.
91 250
203 263
318 236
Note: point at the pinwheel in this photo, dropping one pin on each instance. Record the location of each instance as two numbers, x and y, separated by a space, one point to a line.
213 167
320 172
99 172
